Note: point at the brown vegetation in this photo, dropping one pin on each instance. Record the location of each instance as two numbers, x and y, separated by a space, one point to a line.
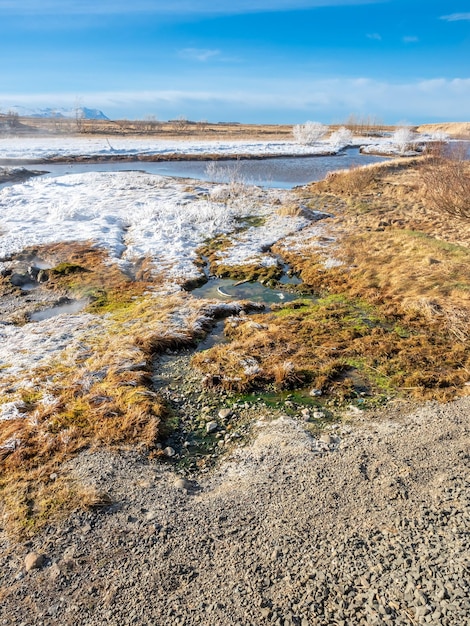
178 128
446 180
458 130
393 316
96 392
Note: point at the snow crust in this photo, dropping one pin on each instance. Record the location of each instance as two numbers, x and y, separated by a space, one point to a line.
34 148
26 348
132 214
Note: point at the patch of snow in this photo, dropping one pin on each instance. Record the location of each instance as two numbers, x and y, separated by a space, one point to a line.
11 411
33 148
132 214
25 348
331 263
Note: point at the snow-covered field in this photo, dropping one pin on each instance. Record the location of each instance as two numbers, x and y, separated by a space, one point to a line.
132 215
36 148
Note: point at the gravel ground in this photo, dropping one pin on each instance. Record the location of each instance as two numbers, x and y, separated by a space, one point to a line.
368 525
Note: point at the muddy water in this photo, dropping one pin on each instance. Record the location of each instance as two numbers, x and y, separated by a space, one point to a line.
228 290
74 306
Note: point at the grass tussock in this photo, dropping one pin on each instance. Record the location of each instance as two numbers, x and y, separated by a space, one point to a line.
354 180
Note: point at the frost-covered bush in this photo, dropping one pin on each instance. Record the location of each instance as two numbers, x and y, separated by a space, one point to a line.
234 191
403 139
440 136
341 138
309 133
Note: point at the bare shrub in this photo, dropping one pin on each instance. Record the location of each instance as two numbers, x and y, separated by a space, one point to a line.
446 181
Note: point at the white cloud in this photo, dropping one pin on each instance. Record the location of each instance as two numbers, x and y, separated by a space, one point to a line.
198 54
456 17
410 39
375 36
175 7
291 99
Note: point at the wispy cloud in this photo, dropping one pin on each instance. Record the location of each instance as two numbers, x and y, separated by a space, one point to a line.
456 17
175 7
198 54
438 98
410 39
374 36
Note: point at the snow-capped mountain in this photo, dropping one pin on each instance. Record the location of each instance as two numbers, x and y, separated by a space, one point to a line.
76 112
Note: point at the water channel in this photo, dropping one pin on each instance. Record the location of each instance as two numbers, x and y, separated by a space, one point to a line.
284 172
281 173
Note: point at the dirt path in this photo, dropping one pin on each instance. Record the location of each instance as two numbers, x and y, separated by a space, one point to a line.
365 527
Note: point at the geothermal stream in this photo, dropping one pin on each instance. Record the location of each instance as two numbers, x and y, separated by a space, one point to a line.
196 407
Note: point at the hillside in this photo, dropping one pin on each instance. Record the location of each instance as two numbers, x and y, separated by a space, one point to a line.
458 130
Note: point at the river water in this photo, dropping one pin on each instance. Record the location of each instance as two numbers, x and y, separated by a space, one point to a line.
283 173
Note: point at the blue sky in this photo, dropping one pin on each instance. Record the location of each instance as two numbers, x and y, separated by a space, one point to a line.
280 61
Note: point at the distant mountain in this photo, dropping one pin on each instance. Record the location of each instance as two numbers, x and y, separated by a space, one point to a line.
83 113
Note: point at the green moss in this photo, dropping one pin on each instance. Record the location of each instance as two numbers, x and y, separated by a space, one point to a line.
65 269
437 244
250 273
250 221
30 399
103 301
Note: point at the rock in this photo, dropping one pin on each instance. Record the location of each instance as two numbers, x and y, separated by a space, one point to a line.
316 392
18 280
353 410
34 560
55 571
318 415
276 553
225 413
43 276
211 427
169 451
326 438
182 484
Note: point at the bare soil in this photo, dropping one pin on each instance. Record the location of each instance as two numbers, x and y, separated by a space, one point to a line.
367 526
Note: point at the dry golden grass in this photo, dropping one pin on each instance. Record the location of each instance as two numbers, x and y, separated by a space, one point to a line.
97 392
351 181
179 128
453 129
331 345
396 305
